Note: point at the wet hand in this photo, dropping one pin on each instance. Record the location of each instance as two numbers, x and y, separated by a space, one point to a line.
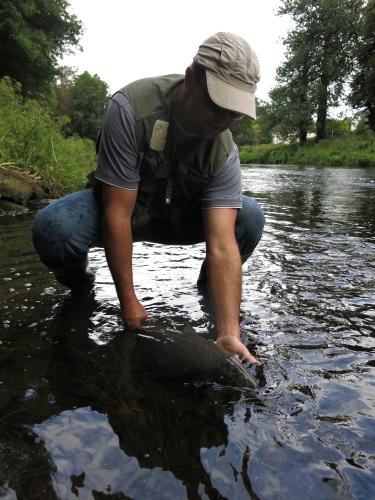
234 346
133 314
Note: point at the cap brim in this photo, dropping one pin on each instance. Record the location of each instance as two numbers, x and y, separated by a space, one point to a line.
229 97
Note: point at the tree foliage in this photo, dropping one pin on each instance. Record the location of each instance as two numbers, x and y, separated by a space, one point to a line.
291 109
249 132
89 96
363 84
338 128
319 60
63 89
33 35
82 98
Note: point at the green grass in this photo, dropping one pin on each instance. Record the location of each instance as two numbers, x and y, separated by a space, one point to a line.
32 142
350 150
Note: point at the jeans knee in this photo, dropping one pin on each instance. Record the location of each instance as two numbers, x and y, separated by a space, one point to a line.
64 231
48 236
249 225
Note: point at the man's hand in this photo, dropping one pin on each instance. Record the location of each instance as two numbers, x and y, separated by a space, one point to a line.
133 313
234 346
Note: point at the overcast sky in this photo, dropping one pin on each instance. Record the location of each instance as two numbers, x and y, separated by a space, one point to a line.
127 40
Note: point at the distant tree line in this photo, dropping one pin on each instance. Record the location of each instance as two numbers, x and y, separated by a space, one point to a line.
329 61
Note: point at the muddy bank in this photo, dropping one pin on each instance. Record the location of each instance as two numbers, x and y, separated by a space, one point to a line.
20 192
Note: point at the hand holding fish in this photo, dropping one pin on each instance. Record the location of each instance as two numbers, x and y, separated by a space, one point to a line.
234 346
133 313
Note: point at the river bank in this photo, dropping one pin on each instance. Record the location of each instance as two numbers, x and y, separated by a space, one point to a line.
38 159
21 191
19 188
352 150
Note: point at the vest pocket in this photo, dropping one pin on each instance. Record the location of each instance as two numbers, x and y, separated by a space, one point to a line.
188 185
185 198
149 163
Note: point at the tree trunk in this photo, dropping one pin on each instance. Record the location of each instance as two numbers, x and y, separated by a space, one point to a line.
302 136
371 116
303 98
322 110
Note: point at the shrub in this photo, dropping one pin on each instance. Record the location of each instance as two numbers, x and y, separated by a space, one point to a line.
31 141
350 150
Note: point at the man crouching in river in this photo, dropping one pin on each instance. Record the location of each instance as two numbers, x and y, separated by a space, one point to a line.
168 172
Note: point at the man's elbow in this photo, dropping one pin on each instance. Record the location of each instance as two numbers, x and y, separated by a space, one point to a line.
226 249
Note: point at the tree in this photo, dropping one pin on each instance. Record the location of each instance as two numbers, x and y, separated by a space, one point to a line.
319 60
63 89
291 106
248 132
89 95
33 35
338 128
363 84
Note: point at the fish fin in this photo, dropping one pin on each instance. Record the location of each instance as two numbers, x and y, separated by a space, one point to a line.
188 329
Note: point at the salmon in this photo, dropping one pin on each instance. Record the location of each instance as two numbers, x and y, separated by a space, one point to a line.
188 354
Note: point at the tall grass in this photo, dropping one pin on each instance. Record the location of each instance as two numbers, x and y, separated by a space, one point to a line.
351 150
31 142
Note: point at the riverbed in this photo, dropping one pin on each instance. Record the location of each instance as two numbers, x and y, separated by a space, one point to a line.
84 415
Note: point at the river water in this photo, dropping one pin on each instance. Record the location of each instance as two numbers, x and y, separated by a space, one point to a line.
84 415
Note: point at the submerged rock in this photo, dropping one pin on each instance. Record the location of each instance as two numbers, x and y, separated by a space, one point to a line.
8 207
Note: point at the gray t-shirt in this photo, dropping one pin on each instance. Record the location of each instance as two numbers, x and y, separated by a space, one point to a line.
118 158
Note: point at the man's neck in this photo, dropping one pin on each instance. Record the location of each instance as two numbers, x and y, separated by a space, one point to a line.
178 110
179 126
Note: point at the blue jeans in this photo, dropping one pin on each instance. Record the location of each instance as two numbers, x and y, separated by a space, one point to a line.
65 230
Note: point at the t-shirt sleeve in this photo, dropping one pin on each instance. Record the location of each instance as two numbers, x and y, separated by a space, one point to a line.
118 152
224 189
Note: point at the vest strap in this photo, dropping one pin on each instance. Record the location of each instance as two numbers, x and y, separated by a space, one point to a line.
168 192
163 162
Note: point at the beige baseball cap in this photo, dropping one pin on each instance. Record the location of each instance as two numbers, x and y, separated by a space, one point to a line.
232 72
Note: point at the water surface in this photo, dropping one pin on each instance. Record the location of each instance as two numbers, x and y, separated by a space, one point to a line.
83 415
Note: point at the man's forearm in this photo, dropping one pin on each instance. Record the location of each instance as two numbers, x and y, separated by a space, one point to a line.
224 271
118 206
118 244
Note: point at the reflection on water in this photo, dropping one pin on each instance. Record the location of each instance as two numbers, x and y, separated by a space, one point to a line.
88 458
83 415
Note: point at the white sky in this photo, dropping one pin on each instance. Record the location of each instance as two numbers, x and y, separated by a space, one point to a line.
128 40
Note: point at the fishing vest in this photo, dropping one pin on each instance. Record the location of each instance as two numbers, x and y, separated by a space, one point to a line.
169 185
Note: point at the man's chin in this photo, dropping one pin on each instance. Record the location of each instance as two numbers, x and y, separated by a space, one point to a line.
211 132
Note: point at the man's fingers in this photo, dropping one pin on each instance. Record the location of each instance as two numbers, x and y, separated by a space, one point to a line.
252 360
234 346
245 355
132 323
